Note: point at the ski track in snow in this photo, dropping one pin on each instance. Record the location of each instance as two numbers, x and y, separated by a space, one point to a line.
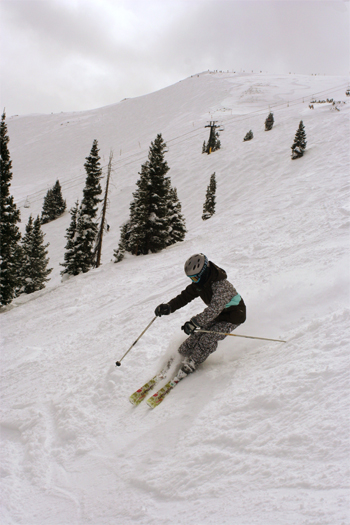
260 434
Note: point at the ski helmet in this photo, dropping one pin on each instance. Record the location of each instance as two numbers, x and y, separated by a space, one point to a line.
195 266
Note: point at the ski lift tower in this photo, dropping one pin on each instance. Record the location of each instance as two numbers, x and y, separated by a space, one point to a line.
212 137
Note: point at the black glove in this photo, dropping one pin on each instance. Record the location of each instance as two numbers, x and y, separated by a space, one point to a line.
162 309
190 326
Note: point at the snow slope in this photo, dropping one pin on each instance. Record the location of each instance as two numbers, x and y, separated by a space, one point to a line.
260 433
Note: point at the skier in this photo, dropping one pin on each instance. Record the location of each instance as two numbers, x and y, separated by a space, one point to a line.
224 312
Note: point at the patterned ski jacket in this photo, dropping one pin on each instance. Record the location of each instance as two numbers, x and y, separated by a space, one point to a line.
223 302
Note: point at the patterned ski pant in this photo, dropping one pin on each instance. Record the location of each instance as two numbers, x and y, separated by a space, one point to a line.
198 347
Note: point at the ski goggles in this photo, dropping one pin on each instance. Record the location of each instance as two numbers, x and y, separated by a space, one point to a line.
195 278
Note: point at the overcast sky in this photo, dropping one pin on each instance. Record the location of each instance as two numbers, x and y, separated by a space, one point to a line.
71 55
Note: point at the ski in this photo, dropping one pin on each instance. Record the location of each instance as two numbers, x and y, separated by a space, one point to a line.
140 394
159 396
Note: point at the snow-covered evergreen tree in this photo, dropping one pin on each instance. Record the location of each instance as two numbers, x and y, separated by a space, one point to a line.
92 188
299 144
123 243
10 256
87 225
210 199
269 122
84 245
69 257
248 136
141 214
158 219
54 204
177 227
48 212
154 215
81 256
60 203
34 271
217 142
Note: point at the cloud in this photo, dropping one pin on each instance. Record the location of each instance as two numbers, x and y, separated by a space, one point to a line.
305 37
64 55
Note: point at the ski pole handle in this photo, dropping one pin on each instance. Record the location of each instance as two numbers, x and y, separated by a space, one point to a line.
246 336
118 363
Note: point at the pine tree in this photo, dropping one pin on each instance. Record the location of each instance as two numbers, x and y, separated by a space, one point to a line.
204 148
48 213
60 203
69 256
299 144
34 270
269 122
92 188
158 220
141 212
248 136
123 243
84 245
134 232
154 213
81 257
10 256
210 199
217 144
54 204
177 228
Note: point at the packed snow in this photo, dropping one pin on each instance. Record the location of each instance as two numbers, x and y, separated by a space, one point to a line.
260 433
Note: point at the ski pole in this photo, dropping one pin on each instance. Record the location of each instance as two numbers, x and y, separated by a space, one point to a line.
118 363
246 336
